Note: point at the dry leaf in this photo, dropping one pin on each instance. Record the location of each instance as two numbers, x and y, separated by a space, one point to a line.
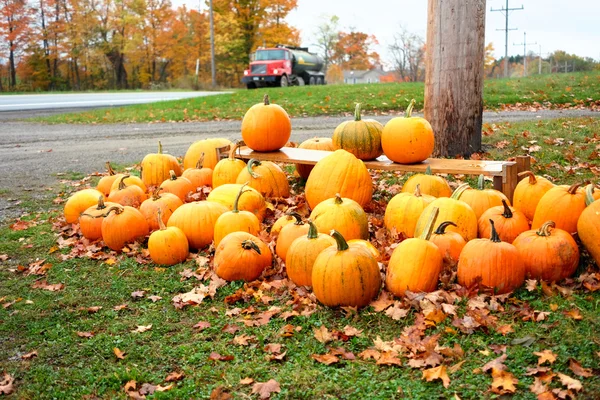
6 384
370 353
531 284
174 376
120 307
497 364
265 389
246 381
130 385
388 358
574 313
228 328
437 373
322 334
456 366
242 340
435 317
43 284
383 302
219 393
396 312
86 335
94 309
504 382
159 388
273 348
202 325
326 359
120 355
155 298
578 369
217 357
138 294
352 331
545 355
142 328
505 329
569 382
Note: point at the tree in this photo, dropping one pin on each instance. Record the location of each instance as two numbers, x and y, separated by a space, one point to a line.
353 51
327 37
408 53
15 18
273 30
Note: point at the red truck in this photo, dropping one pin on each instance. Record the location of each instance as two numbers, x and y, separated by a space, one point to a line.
284 66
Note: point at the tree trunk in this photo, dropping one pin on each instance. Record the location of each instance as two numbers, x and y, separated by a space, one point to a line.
13 69
454 75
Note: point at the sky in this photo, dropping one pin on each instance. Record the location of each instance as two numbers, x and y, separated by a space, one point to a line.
569 25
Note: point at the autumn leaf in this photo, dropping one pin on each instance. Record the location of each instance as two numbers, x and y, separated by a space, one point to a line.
202 325
351 331
569 382
396 312
322 334
219 393
574 313
242 340
505 329
435 317
130 386
138 294
437 373
326 359
578 369
29 355
230 329
155 298
264 389
6 384
86 335
120 307
503 382
94 309
142 328
497 364
174 376
545 355
531 285
273 348
217 357
370 353
389 358
43 284
246 381
118 353
383 302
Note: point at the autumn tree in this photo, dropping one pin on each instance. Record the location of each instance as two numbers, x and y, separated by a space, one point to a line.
15 19
408 53
273 30
353 51
327 35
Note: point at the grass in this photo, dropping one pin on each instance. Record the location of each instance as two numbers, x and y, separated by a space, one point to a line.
549 90
68 366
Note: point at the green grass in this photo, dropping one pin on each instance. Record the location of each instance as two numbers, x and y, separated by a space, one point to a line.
548 90
68 366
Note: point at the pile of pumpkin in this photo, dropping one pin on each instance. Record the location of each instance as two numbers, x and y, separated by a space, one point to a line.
473 230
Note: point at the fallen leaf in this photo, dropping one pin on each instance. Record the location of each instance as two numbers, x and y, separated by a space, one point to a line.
396 312
86 335
435 317
326 359
384 301
370 353
505 329
351 331
456 366
545 355
130 385
217 357
242 340
219 393
437 373
202 325
574 313
503 382
569 382
159 388
388 358
120 355
94 309
175 376
138 294
246 381
43 284
578 369
497 364
322 334
530 285
155 298
29 355
6 384
273 348
228 328
264 389
142 328
120 307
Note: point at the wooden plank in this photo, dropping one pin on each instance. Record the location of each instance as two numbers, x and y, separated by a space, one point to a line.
510 180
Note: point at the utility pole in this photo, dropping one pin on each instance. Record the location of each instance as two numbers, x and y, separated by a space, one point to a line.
540 61
506 11
524 44
212 47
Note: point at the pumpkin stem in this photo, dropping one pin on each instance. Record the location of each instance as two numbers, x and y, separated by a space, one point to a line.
155 193
545 229
313 232
172 175
573 188
161 224
507 211
481 182
298 218
342 245
101 205
159 147
589 194
109 169
459 191
200 162
426 234
250 245
251 165
357 112
237 198
233 149
494 236
122 182
117 209
266 100
441 229
418 190
410 107
428 170
338 199
532 180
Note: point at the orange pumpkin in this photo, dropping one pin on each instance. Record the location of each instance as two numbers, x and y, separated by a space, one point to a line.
179 186
210 148
90 221
361 137
155 167
449 243
588 225
342 214
241 256
131 195
167 246
200 175
407 140
80 201
368 245
481 199
324 144
122 225
197 220
228 169
253 201
236 220
130 180
403 211
562 204
288 234
266 177
509 222
280 223
528 193
167 203
105 183
266 126
430 184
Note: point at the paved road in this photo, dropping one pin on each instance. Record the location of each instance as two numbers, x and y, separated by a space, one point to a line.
87 100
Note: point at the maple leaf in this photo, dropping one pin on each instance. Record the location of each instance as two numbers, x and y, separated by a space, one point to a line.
130 385
246 381
456 366
264 389
503 382
228 328
326 359
159 388
202 325
574 313
437 373
118 353
545 355
369 353
396 312
86 335
242 340
217 357
352 331
497 363
569 382
322 334
43 284
138 294
531 285
538 387
6 384
505 329
384 301
29 355
120 307
142 328
175 376
435 317
93 309
219 393
273 348
389 358
155 298
578 369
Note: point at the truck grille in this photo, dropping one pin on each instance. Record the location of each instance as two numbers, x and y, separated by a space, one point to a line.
259 69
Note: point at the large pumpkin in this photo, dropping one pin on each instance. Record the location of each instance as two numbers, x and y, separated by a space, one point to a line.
236 220
430 184
155 167
241 256
588 225
266 177
80 201
494 263
481 199
342 214
167 246
90 221
549 254
361 137
528 193
345 275
122 225
288 234
228 169
403 211
407 140
509 222
252 201
167 203
324 144
197 221
266 126
562 204
339 172
210 149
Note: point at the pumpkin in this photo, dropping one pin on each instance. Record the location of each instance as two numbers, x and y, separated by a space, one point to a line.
197 220
280 223
430 184
105 183
451 209
122 225
228 169
481 199
562 204
90 221
241 256
342 214
210 148
167 246
403 211
179 186
200 175
127 195
324 144
449 243
155 167
509 222
253 201
340 172
236 220
167 203
416 263
266 177
266 126
588 226
496 264
368 245
528 193
361 137
288 234
302 254
549 254
130 180
80 201
407 140
345 275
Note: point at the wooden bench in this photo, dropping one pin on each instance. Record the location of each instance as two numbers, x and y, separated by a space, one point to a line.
503 173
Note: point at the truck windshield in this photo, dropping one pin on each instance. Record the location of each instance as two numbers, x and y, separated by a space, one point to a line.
265 55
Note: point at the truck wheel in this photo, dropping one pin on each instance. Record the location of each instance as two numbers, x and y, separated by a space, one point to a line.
300 81
251 85
319 81
283 82
312 81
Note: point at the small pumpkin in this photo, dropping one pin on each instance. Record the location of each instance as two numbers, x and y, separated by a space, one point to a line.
167 246
210 148
236 220
430 184
549 254
197 220
266 177
361 137
228 169
266 126
302 254
288 234
167 203
345 275
155 167
127 195
129 181
449 243
241 256
588 225
200 175
403 211
340 172
509 222
342 214
105 183
90 221
324 144
80 201
496 264
253 201
280 223
408 139
481 199
562 204
528 193
122 225
179 186
416 263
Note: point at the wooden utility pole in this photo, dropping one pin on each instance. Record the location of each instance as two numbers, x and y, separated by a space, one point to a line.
454 75
506 11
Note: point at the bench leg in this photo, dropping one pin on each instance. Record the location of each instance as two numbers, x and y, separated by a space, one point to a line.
523 163
509 180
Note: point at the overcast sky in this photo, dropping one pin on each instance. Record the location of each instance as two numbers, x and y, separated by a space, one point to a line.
570 25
